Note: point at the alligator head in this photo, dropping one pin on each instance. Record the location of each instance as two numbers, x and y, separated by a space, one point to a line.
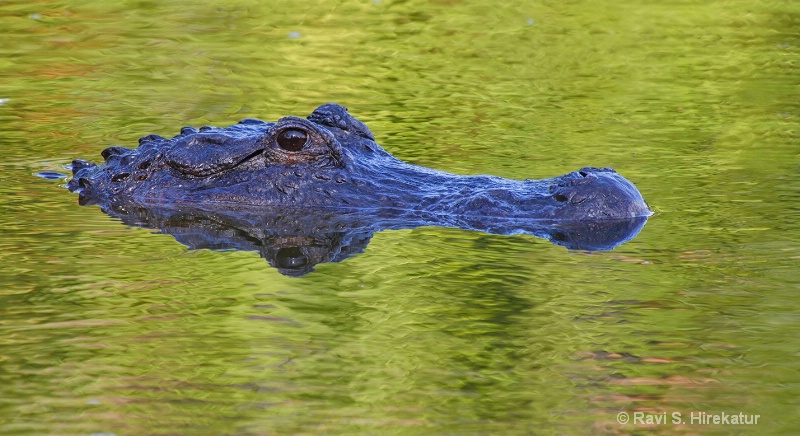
330 163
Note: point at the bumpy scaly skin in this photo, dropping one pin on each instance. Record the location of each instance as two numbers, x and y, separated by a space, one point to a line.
333 163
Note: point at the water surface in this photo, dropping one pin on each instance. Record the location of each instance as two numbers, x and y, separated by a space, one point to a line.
119 330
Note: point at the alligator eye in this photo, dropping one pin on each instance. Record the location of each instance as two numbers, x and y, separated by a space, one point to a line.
292 139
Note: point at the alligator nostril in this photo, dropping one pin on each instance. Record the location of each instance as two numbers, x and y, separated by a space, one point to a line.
83 183
559 197
205 128
119 177
583 173
188 130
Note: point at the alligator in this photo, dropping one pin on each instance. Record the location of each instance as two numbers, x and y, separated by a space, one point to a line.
329 165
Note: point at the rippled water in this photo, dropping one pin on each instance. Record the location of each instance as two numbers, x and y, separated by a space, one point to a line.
109 329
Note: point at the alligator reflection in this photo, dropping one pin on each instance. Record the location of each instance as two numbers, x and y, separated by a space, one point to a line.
294 241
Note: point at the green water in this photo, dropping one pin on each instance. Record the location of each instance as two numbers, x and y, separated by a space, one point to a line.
106 329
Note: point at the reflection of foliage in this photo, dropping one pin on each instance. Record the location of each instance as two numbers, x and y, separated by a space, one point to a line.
439 331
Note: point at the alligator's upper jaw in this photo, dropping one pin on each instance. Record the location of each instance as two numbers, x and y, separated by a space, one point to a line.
590 194
597 194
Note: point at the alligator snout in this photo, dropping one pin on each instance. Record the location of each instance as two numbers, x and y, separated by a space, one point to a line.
599 193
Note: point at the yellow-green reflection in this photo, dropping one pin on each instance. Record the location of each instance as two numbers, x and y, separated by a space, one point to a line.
107 329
